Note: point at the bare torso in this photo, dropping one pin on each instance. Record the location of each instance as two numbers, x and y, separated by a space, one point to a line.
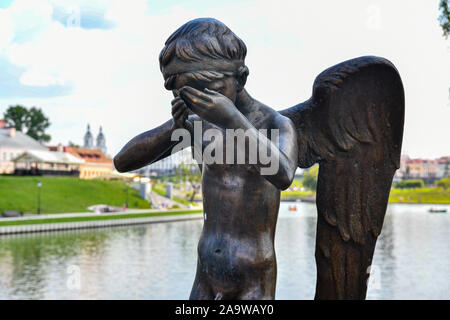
236 257
236 254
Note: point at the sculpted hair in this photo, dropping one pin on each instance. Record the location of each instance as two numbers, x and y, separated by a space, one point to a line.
199 39
203 38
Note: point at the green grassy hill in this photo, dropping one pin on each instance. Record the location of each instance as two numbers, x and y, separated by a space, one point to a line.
61 194
420 195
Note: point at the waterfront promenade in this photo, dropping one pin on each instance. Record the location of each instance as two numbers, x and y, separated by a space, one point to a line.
86 220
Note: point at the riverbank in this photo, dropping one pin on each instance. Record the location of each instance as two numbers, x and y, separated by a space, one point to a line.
159 260
420 195
410 196
90 220
64 194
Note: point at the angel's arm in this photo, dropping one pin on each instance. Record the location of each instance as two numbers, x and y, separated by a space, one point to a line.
283 152
155 144
218 109
148 147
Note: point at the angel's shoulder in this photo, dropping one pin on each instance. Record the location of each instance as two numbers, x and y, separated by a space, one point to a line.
274 119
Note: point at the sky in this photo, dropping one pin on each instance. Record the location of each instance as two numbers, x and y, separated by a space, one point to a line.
96 62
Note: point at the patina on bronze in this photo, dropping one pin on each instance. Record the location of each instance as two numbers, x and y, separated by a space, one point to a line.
352 126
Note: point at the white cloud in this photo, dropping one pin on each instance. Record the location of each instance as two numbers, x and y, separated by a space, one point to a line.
116 80
7 31
36 78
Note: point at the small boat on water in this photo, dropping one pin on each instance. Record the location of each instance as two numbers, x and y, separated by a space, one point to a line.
292 208
436 210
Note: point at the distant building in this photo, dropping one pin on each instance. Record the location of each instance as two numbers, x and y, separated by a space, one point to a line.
95 163
12 144
101 141
423 168
43 162
444 166
169 165
89 140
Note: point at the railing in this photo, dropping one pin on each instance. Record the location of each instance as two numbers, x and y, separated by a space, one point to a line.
40 172
61 226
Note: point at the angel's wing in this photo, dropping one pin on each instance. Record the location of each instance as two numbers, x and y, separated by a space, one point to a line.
353 127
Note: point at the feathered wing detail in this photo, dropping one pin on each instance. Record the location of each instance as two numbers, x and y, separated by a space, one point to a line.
353 127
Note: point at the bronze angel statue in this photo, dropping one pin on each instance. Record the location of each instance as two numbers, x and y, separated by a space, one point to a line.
352 126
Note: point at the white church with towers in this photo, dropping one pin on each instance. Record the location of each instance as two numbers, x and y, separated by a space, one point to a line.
100 141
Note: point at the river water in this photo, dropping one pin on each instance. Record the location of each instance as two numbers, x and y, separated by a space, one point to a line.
158 261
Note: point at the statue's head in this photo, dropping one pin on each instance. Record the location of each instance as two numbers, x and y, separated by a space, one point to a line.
204 53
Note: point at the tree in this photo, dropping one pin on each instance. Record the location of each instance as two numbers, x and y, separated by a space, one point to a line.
443 183
16 116
407 173
188 173
444 18
37 123
409 184
310 178
72 144
32 122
